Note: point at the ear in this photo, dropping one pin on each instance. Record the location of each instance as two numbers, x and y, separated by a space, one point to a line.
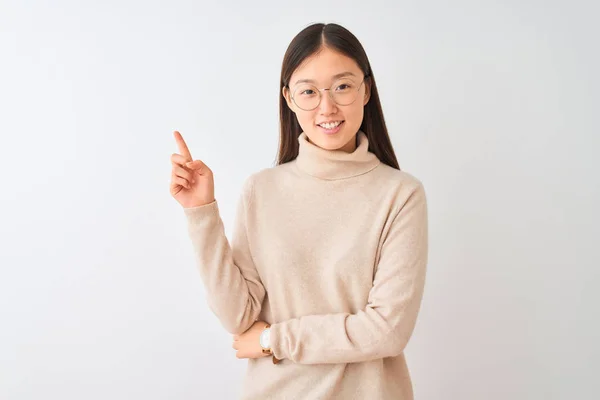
286 94
367 92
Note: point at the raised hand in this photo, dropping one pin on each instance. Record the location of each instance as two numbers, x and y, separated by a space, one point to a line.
192 182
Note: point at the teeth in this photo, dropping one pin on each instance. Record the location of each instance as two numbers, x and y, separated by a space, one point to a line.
330 125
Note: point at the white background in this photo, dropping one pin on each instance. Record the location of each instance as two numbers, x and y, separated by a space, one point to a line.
492 104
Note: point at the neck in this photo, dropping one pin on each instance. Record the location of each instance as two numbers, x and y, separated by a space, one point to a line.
335 164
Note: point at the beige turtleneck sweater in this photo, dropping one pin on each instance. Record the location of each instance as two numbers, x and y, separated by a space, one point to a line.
331 250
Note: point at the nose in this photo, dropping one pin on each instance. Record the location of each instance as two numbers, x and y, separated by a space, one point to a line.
327 105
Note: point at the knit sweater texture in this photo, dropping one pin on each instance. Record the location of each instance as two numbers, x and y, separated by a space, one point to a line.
331 250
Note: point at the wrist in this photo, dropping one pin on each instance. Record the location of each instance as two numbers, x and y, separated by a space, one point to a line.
265 343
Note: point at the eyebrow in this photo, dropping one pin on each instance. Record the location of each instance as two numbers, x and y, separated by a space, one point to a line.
340 75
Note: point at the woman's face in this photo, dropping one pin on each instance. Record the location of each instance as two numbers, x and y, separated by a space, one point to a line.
322 70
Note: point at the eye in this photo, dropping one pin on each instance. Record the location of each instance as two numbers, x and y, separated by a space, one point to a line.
342 87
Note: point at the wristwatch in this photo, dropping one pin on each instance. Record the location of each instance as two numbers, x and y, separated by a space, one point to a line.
265 342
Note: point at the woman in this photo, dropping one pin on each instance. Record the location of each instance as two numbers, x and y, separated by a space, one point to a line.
323 280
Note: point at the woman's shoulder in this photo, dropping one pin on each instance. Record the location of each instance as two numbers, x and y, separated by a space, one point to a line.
267 176
398 178
400 188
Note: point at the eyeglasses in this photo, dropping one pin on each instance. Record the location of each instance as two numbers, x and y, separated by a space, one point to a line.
343 92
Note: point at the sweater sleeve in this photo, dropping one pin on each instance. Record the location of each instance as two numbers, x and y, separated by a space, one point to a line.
384 326
234 290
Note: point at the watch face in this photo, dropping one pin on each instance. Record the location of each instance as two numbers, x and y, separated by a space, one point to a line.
265 337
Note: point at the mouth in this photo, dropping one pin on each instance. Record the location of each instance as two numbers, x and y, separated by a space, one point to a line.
331 127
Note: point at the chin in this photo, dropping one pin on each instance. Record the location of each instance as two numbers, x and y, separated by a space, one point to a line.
331 142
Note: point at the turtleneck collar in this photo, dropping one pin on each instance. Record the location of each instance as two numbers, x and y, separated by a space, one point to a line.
335 164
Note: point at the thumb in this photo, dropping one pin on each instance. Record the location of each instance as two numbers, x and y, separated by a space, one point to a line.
194 164
198 166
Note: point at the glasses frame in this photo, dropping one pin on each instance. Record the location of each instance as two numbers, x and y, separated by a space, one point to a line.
330 95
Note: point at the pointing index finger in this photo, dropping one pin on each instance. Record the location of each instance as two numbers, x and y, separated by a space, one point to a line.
183 149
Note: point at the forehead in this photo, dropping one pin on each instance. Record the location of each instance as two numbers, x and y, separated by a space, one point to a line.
324 65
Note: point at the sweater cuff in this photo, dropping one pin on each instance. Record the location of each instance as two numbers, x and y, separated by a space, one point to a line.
277 342
195 214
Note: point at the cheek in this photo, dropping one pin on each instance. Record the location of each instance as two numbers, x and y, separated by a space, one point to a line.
355 114
306 120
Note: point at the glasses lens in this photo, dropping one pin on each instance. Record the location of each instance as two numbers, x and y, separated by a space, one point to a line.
307 97
344 91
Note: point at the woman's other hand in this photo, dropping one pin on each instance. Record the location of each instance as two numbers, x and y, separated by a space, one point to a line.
248 343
